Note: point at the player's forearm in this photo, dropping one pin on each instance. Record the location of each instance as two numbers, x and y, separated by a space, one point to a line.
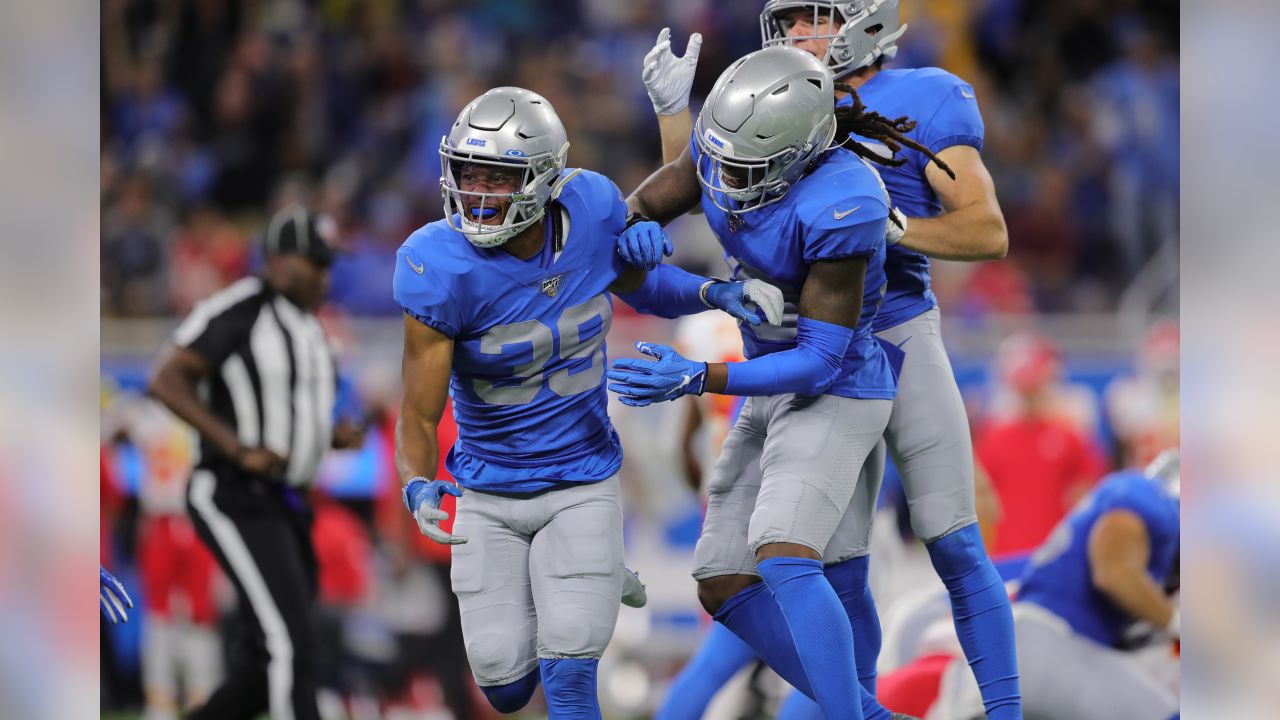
417 447
674 131
668 292
809 368
972 233
179 392
1134 592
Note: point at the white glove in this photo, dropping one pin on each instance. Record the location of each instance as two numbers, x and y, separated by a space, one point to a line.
422 497
667 77
766 297
895 227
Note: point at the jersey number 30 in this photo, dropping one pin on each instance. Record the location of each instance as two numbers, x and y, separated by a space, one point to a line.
527 379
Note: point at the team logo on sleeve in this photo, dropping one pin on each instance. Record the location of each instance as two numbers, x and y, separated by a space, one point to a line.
551 286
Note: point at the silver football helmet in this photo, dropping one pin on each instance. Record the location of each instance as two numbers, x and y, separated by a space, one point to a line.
867 29
767 117
509 128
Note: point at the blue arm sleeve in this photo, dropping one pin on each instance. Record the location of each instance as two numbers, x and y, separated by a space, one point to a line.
956 120
668 292
809 368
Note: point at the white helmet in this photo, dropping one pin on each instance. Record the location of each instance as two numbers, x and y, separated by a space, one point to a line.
767 117
511 128
868 30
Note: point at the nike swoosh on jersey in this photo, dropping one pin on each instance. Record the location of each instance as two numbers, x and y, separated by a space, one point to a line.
842 215
416 268
968 94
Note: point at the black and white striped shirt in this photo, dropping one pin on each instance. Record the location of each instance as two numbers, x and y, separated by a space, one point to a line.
273 376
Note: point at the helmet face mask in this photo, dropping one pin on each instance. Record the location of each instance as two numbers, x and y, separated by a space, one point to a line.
505 131
767 118
857 32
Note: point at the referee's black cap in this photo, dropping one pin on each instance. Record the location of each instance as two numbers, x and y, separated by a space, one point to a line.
296 229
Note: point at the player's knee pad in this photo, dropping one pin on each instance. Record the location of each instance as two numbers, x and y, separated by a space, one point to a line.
514 695
574 631
494 655
570 687
957 555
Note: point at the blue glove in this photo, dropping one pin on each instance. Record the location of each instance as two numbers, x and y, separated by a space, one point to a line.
112 596
733 297
422 497
641 382
644 244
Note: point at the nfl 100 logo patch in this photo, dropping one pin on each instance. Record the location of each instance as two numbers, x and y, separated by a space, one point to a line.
551 285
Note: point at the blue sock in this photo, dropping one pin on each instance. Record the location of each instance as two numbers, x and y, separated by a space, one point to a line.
983 618
849 578
720 657
514 695
822 634
798 706
753 615
570 687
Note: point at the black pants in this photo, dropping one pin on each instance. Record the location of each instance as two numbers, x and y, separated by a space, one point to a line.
261 534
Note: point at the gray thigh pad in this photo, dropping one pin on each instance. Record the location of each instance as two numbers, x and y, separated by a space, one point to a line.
731 496
928 434
814 450
575 562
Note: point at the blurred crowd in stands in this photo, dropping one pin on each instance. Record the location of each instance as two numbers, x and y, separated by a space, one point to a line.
214 112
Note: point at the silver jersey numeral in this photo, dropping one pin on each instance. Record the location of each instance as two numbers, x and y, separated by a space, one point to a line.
531 375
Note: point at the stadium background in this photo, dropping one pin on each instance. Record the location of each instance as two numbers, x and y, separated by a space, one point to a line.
214 113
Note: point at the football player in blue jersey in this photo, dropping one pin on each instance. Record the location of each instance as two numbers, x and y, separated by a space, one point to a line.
791 209
507 306
944 208
1103 569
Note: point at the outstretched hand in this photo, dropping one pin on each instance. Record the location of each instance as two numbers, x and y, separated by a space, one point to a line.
644 382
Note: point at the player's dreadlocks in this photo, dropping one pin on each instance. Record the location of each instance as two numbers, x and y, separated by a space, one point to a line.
858 120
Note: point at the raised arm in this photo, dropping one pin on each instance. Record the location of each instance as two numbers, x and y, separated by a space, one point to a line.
971 226
668 79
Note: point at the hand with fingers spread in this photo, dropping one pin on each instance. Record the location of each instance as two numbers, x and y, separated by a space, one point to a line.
737 299
112 596
423 497
643 382
669 78
644 243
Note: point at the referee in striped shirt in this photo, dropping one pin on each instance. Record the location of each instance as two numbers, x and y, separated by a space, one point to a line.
250 369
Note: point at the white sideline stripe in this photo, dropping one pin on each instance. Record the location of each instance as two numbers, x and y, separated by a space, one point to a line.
205 311
279 646
236 377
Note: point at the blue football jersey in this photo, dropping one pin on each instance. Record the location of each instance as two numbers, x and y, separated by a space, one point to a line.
837 210
528 382
1058 576
946 114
